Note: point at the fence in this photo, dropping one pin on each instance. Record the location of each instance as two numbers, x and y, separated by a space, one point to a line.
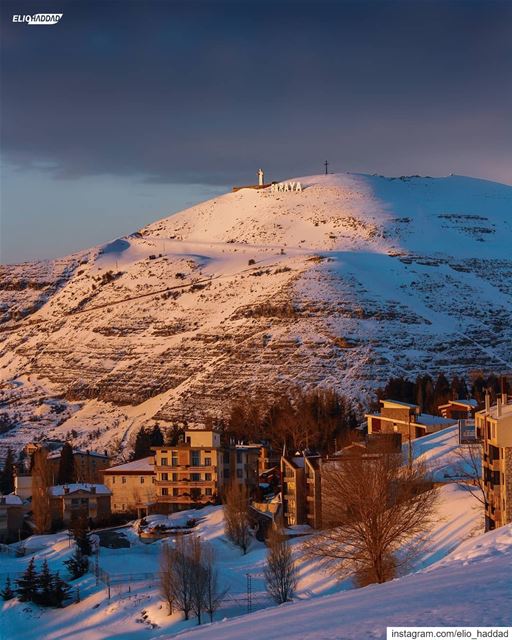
126 584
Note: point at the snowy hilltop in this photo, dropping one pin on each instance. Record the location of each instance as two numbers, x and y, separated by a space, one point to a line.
352 280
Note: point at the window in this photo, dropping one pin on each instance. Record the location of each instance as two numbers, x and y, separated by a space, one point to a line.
113 479
175 492
208 477
142 479
123 480
194 458
239 473
195 477
239 457
195 493
175 477
163 462
207 462
226 457
174 459
208 492
165 491
165 476
226 473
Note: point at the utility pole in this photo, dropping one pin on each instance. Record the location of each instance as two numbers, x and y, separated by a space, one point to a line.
326 163
249 592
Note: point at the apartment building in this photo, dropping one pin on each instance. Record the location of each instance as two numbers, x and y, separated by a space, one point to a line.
302 477
195 471
133 486
406 419
79 499
301 490
495 426
88 465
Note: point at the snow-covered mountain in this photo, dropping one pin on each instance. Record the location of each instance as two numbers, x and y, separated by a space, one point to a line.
353 280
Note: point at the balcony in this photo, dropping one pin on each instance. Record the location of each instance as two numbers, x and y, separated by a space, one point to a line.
186 483
186 468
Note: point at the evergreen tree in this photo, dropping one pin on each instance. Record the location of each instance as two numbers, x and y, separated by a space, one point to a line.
80 532
442 391
77 565
173 435
156 437
7 593
66 473
60 590
44 595
7 475
142 448
28 583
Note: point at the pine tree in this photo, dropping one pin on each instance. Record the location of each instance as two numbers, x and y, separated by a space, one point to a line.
66 465
156 437
7 593
7 475
78 564
44 595
60 590
142 448
80 532
28 583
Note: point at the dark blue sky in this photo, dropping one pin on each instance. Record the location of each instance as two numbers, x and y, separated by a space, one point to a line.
126 111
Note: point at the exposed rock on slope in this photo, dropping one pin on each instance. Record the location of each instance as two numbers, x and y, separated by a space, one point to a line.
355 279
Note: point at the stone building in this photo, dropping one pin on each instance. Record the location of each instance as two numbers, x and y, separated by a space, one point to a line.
495 426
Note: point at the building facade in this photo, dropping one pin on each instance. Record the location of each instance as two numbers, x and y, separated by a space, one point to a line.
495 426
70 501
11 517
88 465
406 419
195 471
133 486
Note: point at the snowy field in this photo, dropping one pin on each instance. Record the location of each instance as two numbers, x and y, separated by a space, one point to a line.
461 577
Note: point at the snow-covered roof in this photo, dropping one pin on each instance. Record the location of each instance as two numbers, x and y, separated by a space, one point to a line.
60 490
463 403
144 465
56 453
430 421
400 403
11 499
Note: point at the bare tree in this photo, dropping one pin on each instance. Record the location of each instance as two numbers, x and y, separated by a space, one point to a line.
182 576
236 520
199 577
214 595
373 507
41 483
167 584
281 572
468 468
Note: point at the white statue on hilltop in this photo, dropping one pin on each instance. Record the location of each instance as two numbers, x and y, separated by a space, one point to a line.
261 176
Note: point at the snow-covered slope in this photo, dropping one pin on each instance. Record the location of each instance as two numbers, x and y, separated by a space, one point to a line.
133 613
355 279
471 587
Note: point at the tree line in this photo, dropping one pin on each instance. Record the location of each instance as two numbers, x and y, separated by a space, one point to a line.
320 420
428 393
